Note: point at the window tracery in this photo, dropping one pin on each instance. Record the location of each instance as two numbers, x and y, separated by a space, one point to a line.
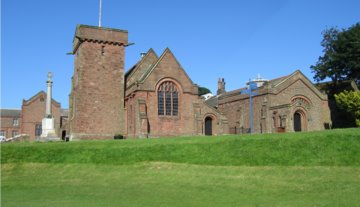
168 99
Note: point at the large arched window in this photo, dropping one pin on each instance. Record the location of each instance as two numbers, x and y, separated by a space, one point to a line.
168 99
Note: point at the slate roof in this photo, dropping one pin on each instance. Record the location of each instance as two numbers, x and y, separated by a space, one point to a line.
269 86
142 66
213 101
147 64
10 112
277 81
64 112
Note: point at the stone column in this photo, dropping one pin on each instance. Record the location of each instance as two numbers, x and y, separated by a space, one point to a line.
48 123
48 96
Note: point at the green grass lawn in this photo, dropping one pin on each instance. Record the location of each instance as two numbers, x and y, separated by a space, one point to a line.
295 169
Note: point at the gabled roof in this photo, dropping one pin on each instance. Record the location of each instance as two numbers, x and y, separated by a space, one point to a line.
167 51
33 98
273 86
269 83
276 81
282 83
141 67
135 67
10 112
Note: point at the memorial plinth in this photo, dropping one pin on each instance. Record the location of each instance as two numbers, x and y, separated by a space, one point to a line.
48 124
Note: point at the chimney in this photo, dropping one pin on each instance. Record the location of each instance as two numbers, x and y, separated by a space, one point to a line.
142 54
221 86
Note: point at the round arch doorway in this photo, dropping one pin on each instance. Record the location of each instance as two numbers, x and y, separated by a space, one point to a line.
208 126
299 121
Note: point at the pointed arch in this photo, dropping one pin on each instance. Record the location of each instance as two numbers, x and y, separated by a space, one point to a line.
168 95
209 124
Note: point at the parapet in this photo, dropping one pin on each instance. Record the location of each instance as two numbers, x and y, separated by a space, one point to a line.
100 35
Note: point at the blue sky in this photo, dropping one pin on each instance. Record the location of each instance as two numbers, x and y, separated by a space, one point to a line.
232 39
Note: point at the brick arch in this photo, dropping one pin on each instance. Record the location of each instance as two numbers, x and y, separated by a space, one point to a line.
300 111
301 101
301 105
161 81
173 107
214 120
212 115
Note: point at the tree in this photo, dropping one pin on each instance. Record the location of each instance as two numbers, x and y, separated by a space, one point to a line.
341 59
350 101
203 90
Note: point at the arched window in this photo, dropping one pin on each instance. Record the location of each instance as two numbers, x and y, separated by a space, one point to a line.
168 99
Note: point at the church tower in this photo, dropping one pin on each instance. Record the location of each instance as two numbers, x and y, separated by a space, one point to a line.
96 108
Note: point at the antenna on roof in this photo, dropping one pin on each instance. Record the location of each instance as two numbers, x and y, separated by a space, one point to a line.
100 14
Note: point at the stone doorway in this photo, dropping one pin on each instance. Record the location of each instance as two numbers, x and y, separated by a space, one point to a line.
208 126
298 125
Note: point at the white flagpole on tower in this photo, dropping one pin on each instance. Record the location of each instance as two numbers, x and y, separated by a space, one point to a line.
100 14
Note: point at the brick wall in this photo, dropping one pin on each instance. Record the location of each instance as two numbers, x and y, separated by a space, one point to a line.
275 106
33 111
143 119
8 127
97 97
302 98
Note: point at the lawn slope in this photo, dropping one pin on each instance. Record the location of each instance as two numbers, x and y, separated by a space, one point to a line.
327 148
295 169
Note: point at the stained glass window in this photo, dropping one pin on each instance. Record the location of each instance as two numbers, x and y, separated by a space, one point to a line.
161 103
168 99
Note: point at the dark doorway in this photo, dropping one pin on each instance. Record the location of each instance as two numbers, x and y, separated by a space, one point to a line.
63 135
297 122
208 126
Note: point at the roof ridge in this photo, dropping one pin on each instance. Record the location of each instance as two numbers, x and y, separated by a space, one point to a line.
133 69
37 94
167 50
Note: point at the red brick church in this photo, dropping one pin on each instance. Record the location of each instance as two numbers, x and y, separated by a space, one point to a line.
156 98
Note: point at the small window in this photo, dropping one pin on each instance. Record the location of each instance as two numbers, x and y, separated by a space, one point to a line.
16 122
102 50
38 130
3 133
283 120
274 121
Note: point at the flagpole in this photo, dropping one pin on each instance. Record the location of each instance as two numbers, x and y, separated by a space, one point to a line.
100 13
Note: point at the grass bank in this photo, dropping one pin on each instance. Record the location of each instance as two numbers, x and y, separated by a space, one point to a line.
296 169
327 148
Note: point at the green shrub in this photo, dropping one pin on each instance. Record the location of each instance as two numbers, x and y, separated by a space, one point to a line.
350 101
